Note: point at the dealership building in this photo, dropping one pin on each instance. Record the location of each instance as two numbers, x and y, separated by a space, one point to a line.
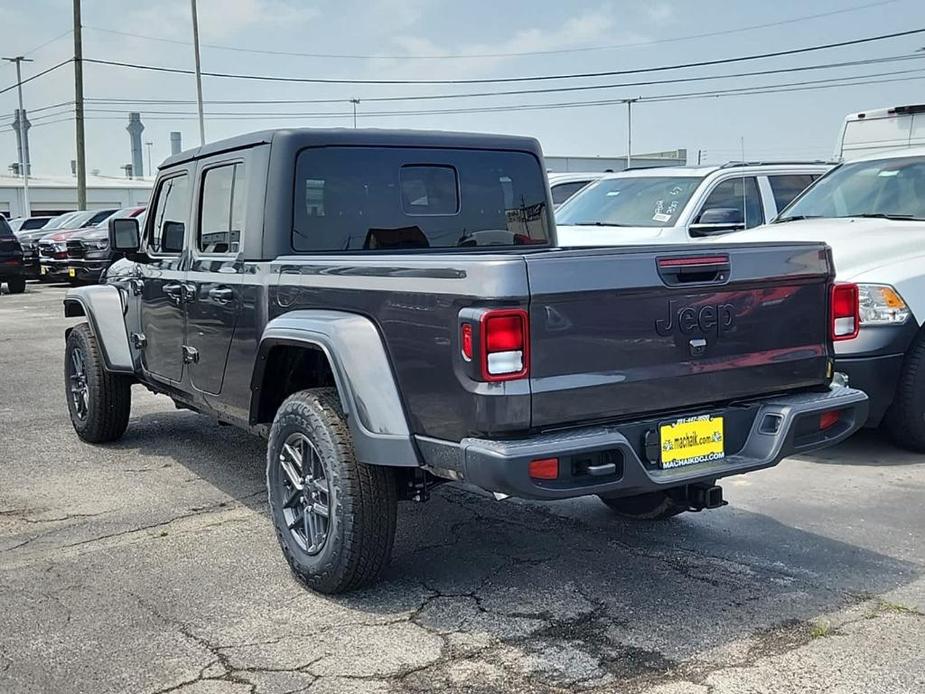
49 195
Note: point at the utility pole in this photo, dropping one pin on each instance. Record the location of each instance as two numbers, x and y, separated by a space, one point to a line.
79 111
202 122
22 127
629 132
149 145
355 102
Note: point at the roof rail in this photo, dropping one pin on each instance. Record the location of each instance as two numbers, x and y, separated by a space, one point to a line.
734 164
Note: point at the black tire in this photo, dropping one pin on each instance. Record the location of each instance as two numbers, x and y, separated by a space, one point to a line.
905 420
361 500
651 506
98 401
16 285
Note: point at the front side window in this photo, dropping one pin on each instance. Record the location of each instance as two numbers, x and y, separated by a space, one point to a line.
563 191
391 198
221 218
171 210
630 201
739 200
786 188
891 188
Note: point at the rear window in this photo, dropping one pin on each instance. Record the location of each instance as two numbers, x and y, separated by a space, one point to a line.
367 198
35 223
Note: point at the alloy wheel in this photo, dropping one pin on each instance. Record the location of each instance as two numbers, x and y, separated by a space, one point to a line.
80 391
307 493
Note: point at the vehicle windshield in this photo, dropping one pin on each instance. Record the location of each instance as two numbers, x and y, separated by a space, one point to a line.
889 188
57 222
630 201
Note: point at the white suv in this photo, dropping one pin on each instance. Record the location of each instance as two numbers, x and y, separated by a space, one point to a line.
675 204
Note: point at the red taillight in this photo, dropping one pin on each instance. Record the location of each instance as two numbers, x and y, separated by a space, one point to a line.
544 469
829 419
465 341
846 311
505 344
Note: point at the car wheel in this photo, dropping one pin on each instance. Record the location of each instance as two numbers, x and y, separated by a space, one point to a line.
905 420
16 285
98 401
651 506
334 516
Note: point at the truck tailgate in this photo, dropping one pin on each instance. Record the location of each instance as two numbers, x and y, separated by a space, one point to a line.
625 331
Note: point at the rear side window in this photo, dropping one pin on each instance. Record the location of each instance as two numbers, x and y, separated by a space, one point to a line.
32 224
786 188
221 218
170 212
5 229
367 198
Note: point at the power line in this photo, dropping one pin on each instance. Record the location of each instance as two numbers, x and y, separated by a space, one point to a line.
48 42
741 91
516 92
498 80
37 75
469 56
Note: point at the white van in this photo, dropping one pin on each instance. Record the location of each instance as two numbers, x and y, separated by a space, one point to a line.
881 130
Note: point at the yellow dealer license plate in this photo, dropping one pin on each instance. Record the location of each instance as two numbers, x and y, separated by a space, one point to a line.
692 440
44 270
71 272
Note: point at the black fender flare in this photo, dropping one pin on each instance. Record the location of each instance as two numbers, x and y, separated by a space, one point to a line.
104 309
362 373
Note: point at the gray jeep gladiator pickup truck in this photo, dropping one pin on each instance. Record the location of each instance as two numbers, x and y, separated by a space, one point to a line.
390 311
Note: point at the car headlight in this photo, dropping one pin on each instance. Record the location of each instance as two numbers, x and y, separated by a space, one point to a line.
100 245
882 305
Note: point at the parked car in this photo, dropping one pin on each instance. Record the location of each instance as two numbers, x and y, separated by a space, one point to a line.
28 223
11 264
881 130
565 185
53 246
871 211
678 203
88 252
334 291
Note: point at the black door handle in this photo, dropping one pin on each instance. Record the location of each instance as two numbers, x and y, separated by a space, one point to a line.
221 295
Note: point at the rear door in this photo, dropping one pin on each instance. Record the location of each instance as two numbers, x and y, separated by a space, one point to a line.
162 292
214 278
624 331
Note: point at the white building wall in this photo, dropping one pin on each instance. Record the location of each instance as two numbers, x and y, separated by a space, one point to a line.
56 195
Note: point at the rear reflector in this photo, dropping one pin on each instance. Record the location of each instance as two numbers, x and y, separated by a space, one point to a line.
505 344
544 469
846 307
829 419
465 341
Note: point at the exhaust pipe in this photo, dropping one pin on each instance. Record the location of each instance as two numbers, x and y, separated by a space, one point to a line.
703 496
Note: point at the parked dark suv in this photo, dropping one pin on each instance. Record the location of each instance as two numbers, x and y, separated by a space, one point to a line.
11 264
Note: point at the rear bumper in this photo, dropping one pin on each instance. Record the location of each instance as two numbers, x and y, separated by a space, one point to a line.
502 466
878 377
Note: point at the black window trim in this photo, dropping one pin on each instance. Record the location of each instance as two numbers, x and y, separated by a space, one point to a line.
194 242
150 219
291 251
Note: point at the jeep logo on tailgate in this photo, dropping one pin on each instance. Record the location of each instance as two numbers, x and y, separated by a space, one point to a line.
714 319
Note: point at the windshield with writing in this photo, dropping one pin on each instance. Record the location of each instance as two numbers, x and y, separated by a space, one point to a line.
644 201
883 188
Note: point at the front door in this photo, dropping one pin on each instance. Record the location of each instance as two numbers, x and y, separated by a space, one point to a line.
163 294
215 275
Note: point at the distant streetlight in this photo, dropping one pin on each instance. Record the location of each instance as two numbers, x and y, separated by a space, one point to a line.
23 127
355 103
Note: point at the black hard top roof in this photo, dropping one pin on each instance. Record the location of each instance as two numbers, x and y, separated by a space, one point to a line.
299 138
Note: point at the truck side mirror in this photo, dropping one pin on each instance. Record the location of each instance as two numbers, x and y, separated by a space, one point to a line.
124 236
718 220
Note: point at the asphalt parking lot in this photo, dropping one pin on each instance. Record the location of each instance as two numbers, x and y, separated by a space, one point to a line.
150 565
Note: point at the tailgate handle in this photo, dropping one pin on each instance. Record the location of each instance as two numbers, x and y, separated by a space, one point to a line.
693 269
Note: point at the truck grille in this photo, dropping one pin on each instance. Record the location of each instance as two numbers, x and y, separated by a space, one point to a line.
76 250
51 252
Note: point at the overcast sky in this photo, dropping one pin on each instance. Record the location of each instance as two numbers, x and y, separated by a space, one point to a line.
800 124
